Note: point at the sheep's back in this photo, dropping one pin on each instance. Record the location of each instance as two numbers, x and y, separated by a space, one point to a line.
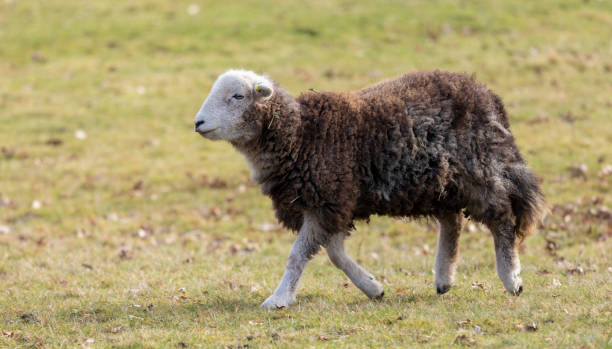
431 140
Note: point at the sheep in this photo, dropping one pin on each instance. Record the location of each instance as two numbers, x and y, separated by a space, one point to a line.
425 144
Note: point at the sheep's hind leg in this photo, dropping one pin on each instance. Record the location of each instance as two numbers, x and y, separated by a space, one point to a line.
304 247
447 251
506 257
361 278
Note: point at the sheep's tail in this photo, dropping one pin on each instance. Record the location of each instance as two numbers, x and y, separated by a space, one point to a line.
527 200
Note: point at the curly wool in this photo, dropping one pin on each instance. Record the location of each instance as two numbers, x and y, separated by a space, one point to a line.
422 144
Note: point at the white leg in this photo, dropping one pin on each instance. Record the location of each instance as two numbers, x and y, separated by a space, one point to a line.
507 260
361 278
304 247
508 266
447 251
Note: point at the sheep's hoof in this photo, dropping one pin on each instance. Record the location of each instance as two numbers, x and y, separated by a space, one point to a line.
277 302
379 297
443 289
518 292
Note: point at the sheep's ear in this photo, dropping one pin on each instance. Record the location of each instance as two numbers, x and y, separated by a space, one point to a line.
262 91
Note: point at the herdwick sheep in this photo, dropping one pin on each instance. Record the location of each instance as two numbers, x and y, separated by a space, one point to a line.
425 144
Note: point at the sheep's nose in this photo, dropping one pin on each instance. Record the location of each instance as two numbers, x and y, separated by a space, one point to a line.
198 123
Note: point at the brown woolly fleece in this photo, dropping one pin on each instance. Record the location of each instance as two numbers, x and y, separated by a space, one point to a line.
423 144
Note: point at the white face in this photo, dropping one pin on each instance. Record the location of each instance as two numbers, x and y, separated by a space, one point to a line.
234 93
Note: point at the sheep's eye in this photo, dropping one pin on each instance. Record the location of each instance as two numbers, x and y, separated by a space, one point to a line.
237 97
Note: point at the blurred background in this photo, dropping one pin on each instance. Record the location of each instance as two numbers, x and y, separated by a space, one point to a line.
104 186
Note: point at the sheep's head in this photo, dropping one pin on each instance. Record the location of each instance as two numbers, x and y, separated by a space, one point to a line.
232 97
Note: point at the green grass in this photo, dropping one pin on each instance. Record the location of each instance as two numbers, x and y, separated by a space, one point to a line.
149 236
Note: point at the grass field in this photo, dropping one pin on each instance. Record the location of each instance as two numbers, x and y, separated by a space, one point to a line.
120 227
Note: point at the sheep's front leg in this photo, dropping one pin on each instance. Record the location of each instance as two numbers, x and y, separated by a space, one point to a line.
447 251
304 247
361 278
507 258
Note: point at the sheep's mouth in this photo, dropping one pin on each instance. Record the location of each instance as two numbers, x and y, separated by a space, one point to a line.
204 133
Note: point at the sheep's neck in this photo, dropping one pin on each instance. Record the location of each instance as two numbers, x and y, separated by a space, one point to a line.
278 142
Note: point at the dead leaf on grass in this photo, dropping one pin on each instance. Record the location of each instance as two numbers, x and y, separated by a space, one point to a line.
527 328
144 231
7 202
12 153
579 171
551 248
463 322
600 213
214 183
466 340
424 338
29 317
54 142
605 171
569 117
137 185
480 285
538 120
183 293
576 271
125 253
87 266
215 211
116 329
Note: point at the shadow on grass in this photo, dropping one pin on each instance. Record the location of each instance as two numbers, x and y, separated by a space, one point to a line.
183 313
160 312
